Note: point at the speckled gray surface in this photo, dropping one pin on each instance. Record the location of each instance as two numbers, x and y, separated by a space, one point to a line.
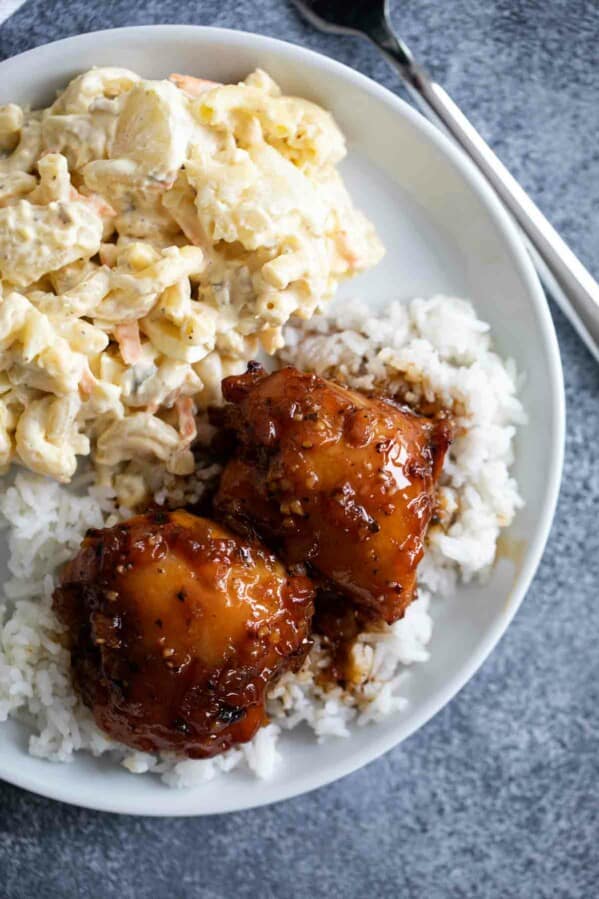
498 796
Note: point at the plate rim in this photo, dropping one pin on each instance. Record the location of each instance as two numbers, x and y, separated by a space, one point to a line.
520 258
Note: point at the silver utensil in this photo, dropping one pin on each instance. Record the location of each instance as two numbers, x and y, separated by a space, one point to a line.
567 280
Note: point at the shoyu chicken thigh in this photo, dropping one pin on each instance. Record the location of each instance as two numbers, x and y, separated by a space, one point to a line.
337 479
176 628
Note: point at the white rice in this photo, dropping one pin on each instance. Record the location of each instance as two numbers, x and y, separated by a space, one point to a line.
433 350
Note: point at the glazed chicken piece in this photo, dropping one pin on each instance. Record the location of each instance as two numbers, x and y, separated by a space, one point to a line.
340 480
177 627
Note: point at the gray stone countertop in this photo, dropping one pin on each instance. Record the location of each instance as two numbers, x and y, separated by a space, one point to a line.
498 795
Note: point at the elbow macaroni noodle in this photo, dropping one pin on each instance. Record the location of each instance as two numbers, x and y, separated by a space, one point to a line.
154 235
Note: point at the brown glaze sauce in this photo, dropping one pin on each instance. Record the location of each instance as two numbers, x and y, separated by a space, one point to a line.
177 627
339 624
328 476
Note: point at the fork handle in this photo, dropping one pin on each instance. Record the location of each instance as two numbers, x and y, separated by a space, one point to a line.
566 278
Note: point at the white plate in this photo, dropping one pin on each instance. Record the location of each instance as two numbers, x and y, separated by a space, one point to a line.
444 231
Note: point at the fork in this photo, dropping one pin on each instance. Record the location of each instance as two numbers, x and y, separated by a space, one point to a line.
563 274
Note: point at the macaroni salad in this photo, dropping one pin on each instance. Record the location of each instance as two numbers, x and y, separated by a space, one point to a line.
154 235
